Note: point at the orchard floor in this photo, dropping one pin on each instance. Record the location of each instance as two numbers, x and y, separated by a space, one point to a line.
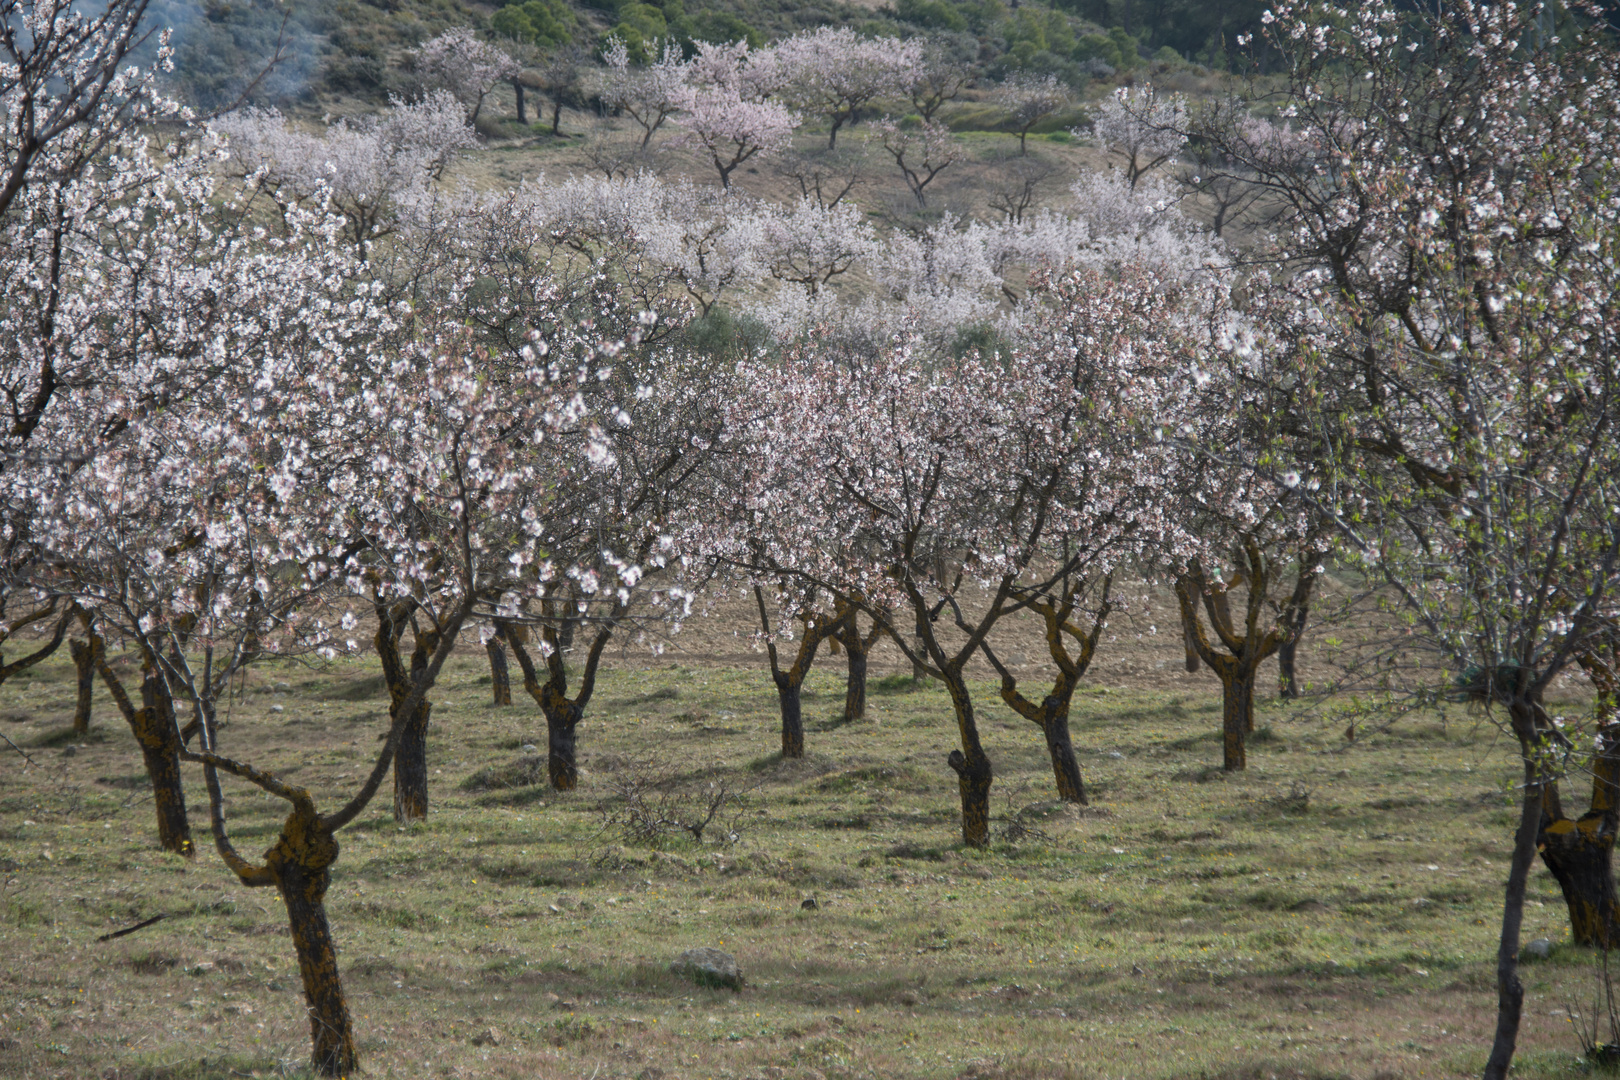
1331 912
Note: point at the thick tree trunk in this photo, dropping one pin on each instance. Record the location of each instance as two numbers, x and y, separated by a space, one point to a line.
160 748
153 727
163 768
973 773
1580 853
562 727
1237 716
84 662
787 693
410 767
1065 768
301 863
410 756
973 777
1287 676
855 692
500 678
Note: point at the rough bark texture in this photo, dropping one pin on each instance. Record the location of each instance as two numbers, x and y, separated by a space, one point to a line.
154 730
1287 672
562 725
1237 715
787 695
971 764
1060 748
301 862
855 687
84 661
500 677
1580 853
410 756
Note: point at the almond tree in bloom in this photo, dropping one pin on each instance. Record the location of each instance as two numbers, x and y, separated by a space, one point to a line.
648 95
732 116
1143 125
467 68
1029 99
65 89
1450 206
921 153
375 170
155 286
835 73
621 498
895 485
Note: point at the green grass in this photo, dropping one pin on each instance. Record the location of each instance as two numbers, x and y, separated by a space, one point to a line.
1330 913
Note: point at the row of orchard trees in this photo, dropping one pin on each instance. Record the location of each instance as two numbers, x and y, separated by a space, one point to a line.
251 406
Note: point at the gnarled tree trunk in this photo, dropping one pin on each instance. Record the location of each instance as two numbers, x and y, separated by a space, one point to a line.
1580 853
562 713
562 749
971 764
155 732
301 863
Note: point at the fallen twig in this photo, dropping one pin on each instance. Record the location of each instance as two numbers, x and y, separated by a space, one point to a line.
132 929
19 750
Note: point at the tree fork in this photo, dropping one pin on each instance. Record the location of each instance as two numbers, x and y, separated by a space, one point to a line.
1580 853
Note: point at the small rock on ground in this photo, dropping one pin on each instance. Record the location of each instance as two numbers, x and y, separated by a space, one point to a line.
708 967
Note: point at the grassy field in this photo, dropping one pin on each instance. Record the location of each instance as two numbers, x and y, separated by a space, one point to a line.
1329 913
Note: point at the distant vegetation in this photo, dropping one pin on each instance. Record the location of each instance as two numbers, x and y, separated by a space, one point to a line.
349 48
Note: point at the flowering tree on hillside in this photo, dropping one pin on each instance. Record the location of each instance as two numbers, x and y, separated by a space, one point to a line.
648 95
1143 125
1029 100
834 72
467 68
373 170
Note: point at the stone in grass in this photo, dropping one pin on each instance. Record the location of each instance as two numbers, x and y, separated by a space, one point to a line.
1540 948
708 967
488 1037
